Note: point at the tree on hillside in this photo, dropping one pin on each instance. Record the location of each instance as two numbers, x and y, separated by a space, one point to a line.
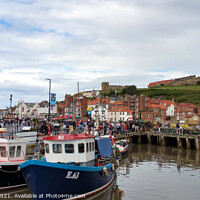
131 90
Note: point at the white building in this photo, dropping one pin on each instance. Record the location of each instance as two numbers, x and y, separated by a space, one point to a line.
170 107
100 113
91 94
34 110
119 113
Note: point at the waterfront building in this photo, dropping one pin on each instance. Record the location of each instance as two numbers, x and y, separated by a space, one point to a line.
170 107
35 110
119 113
100 113
184 111
149 109
75 106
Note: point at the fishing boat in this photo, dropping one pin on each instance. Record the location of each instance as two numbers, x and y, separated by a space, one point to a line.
12 154
76 166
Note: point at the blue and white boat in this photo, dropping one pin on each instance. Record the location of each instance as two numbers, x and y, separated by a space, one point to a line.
75 167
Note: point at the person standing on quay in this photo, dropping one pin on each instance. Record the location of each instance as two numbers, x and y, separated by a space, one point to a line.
136 126
177 128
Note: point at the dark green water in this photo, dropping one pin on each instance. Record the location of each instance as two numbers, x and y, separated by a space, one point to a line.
152 172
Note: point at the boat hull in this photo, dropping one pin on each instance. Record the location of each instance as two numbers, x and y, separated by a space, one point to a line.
11 177
62 181
124 153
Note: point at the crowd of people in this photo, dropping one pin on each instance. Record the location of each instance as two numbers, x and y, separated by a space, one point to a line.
46 127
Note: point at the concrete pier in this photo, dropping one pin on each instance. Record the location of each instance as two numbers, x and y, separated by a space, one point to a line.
181 141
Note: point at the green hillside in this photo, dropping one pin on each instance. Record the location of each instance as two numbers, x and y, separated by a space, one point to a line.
181 94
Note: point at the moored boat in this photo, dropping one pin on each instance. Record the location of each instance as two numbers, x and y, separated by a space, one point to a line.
76 166
123 147
12 154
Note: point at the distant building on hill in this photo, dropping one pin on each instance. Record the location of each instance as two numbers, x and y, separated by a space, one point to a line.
187 80
105 86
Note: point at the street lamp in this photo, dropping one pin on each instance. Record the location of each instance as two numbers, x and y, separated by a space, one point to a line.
49 96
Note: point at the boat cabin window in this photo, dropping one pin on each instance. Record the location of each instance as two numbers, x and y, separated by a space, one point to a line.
12 151
57 148
87 147
90 146
81 148
47 148
2 151
69 148
18 153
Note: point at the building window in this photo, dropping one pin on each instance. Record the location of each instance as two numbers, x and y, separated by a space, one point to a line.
81 148
148 116
3 151
18 153
69 148
12 151
57 148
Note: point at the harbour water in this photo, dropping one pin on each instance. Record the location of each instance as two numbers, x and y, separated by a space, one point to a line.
149 172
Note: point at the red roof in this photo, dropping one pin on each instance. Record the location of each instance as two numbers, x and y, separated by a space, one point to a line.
97 101
158 83
68 137
158 106
167 103
118 109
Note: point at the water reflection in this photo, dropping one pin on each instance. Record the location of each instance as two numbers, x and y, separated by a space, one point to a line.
164 156
154 172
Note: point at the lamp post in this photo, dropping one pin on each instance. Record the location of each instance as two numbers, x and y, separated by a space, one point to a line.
49 96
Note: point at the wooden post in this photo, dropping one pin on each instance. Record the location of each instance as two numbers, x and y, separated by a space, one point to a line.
163 141
179 142
149 139
197 143
139 141
188 144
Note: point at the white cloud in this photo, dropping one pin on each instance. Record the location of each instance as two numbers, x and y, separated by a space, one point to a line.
90 41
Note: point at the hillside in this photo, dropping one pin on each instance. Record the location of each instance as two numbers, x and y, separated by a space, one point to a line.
181 94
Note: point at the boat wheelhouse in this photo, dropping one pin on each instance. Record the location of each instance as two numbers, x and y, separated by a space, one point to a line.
79 149
12 154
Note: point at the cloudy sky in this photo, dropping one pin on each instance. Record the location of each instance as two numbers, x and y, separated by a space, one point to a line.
90 41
